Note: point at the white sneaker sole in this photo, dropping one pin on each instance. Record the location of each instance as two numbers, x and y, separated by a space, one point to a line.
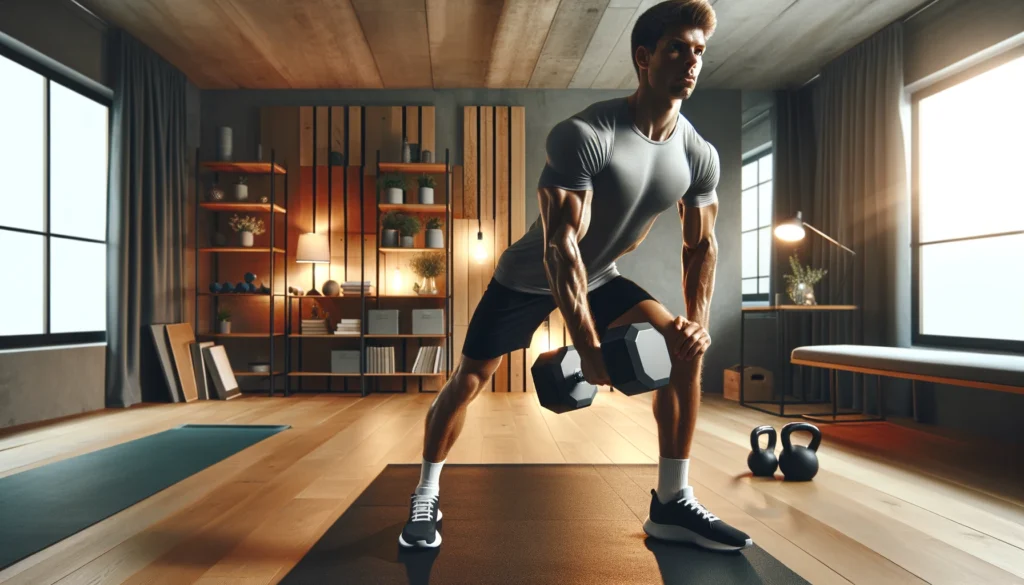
423 543
680 534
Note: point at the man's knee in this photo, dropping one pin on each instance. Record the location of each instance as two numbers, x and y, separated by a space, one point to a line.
472 375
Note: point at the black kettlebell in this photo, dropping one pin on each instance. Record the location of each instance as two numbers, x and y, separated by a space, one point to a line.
762 462
799 463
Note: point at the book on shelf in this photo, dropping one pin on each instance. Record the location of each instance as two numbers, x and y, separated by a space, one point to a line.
313 327
430 359
348 327
380 360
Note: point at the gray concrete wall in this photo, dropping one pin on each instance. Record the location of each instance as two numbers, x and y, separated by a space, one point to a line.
60 30
43 384
655 265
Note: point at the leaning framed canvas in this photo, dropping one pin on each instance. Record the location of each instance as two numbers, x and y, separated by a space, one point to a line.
218 367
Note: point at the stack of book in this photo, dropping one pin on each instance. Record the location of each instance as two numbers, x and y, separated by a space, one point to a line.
314 327
429 360
349 327
380 360
353 287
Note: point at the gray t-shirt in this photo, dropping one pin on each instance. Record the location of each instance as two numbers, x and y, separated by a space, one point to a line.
633 179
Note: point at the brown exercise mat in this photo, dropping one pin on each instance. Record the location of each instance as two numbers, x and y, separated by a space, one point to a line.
536 524
180 338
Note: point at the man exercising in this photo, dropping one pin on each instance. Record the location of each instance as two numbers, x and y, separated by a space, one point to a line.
611 170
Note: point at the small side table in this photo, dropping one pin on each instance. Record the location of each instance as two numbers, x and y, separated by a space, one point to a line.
780 313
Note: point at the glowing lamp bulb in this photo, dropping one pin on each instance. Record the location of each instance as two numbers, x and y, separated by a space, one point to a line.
479 252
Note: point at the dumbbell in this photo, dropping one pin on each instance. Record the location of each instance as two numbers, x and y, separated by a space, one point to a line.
636 358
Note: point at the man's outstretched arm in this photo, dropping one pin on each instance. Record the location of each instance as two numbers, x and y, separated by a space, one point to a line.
699 260
566 216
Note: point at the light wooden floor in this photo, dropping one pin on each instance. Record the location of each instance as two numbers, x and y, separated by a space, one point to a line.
892 503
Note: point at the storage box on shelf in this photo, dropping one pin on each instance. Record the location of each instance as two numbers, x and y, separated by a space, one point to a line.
223 205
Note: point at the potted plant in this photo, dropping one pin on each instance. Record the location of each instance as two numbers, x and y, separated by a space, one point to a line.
391 222
248 226
410 227
223 321
800 284
242 189
428 266
393 185
434 235
427 184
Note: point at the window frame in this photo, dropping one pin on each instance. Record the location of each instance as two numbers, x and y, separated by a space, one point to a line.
53 72
916 245
754 156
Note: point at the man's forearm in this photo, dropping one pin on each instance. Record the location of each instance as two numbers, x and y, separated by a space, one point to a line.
567 278
699 280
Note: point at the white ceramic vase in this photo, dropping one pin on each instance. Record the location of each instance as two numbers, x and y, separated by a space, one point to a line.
241 192
247 239
435 238
426 195
223 326
394 195
407 241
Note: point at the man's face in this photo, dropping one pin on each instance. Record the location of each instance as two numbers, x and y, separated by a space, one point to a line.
673 68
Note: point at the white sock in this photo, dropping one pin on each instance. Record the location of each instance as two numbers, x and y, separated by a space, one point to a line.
673 480
430 474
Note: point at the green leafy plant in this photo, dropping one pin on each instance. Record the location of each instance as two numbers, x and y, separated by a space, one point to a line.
410 225
435 223
223 315
392 220
427 181
247 223
392 181
429 264
803 274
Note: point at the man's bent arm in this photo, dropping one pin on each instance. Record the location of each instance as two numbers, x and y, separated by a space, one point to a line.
566 217
699 260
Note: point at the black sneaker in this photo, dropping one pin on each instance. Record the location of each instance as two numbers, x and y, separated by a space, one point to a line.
421 529
685 520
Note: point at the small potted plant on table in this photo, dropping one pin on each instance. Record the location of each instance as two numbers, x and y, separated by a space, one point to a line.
410 227
242 189
223 321
428 266
247 226
391 222
426 193
434 235
394 187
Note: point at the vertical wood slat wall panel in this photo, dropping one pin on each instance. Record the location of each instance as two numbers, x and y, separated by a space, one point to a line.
412 124
522 359
323 141
460 277
427 124
355 136
469 162
457 188
338 131
494 170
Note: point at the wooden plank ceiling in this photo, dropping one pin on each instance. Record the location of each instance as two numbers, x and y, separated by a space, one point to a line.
271 44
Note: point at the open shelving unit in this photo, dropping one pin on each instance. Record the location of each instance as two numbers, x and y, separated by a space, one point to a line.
273 251
402 361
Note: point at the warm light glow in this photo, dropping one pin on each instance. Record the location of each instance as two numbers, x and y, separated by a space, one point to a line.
313 248
479 251
541 339
790 232
396 280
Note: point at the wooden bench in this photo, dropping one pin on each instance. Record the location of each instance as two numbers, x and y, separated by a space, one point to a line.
972 369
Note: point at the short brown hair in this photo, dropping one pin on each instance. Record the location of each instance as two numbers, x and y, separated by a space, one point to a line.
658 19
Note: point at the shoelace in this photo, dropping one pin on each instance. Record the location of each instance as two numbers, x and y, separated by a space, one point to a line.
696 506
421 508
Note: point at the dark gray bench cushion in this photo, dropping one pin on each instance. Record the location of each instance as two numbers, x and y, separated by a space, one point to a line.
992 368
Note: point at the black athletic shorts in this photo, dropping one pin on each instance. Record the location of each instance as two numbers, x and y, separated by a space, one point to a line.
505 319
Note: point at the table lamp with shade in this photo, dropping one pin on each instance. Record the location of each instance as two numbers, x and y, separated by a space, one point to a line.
313 249
792 230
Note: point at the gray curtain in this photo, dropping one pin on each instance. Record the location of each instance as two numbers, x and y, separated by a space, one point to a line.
841 161
147 204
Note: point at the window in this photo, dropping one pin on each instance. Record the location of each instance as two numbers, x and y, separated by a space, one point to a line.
968 206
756 225
53 196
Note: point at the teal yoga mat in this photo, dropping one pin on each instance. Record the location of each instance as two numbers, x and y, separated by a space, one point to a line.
45 505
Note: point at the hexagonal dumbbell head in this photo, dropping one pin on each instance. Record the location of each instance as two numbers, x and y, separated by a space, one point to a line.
559 380
637 358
